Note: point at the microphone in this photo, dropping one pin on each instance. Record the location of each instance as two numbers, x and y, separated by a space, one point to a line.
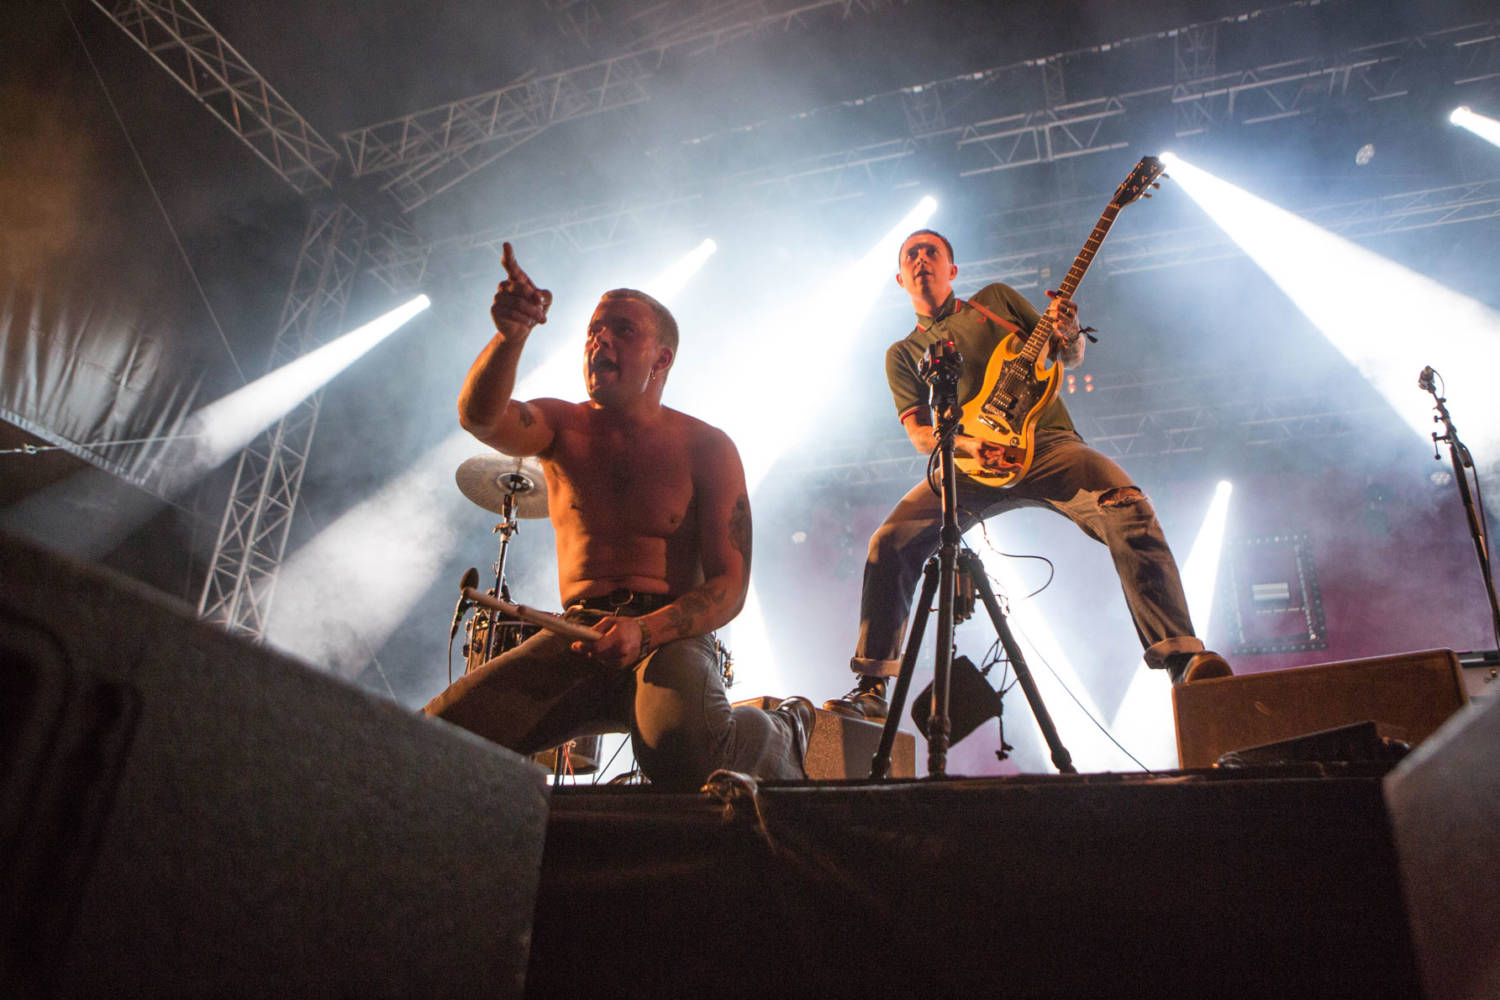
470 580
1424 380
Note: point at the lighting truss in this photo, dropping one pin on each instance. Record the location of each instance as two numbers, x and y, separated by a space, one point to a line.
429 151
189 48
268 479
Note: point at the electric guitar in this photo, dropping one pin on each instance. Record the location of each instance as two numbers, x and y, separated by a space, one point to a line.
1018 384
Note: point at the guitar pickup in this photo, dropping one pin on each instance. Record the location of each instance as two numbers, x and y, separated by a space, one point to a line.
992 425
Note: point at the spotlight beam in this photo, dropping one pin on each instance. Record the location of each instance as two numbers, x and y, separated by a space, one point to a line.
227 425
1486 128
1387 320
1143 721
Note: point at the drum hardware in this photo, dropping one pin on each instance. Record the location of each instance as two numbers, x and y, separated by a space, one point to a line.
515 489
575 757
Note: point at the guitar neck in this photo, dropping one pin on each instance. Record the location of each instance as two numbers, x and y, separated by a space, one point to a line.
1037 342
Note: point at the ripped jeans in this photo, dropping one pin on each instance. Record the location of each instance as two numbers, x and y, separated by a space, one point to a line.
1067 476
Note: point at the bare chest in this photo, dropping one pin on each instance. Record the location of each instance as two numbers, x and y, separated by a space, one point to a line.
617 482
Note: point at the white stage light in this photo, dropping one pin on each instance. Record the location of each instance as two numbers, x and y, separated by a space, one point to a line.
1482 126
1056 678
209 437
1387 320
767 351
666 285
1144 722
227 425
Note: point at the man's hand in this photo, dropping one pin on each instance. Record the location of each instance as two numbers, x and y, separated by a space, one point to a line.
990 455
1067 338
519 305
622 645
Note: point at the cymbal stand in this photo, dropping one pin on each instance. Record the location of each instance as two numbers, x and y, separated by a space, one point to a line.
505 529
940 370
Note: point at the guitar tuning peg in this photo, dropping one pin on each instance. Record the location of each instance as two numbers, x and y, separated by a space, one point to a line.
1156 184
1146 194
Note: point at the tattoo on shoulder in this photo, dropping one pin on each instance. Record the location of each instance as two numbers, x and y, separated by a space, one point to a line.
739 526
524 415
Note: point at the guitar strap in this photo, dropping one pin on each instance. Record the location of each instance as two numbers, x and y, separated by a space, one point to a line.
1003 324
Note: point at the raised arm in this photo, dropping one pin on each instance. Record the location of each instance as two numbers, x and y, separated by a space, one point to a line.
485 407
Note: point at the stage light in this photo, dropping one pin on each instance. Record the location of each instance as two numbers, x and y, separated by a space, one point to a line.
773 350
666 285
1482 126
1387 320
210 436
227 425
1144 721
1056 678
793 351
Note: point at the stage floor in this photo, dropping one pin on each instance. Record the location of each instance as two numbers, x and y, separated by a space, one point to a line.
1276 881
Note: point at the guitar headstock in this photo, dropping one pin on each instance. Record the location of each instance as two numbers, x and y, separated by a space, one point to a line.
1141 182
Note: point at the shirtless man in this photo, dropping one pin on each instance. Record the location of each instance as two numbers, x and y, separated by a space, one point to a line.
653 550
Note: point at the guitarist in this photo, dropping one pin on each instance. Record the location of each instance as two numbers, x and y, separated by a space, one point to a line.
1065 475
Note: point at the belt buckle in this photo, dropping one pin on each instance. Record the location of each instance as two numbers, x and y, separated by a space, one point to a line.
620 597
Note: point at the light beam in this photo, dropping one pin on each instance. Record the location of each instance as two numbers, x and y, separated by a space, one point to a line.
1387 320
1486 128
1143 722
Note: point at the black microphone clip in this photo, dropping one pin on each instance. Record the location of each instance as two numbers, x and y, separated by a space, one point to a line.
471 579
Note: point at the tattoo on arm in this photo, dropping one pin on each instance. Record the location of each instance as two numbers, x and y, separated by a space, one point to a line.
739 528
678 621
524 415
685 615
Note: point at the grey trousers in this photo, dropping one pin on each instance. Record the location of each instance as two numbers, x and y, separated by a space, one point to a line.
1066 476
673 704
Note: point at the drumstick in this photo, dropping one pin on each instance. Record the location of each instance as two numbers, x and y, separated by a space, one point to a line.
550 622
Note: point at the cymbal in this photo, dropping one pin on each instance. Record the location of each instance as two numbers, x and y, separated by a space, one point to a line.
489 479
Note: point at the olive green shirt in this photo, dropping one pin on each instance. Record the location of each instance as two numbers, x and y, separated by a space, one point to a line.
976 337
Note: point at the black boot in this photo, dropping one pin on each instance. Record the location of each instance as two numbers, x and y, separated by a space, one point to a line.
866 701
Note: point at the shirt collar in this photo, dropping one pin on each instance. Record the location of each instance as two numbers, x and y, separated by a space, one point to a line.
948 308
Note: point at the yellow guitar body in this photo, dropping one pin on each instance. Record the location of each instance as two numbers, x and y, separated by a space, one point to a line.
1004 413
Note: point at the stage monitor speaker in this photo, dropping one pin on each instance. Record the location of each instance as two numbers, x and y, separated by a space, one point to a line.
185 813
1444 803
1407 696
842 748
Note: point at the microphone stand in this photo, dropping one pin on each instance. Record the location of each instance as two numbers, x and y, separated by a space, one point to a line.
940 370
1458 454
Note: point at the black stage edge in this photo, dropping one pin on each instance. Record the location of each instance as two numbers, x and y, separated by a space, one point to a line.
1276 882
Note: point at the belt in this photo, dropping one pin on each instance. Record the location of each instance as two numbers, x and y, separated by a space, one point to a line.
624 601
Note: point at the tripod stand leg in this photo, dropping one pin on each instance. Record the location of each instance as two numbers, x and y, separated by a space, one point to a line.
880 764
1061 759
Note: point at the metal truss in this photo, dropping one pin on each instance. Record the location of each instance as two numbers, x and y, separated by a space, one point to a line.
1196 98
429 151
189 48
252 536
